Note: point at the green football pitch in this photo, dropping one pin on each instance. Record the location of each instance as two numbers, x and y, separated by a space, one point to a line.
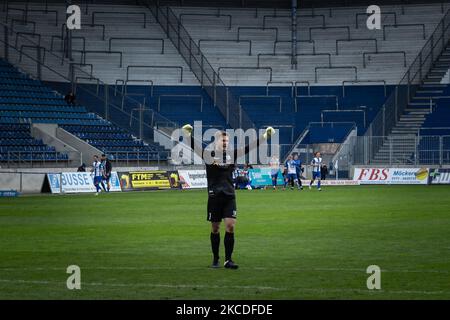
289 245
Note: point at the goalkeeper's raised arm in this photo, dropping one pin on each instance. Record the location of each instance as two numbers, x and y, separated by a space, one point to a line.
188 130
221 193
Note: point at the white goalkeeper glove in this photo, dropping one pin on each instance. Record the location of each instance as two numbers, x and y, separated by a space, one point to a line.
269 132
187 129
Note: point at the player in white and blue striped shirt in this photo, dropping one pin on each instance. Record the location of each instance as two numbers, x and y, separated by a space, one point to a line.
97 171
316 164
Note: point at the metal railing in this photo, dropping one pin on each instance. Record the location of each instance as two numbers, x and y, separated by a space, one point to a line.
92 92
124 86
223 99
321 96
85 52
403 53
27 10
278 100
218 15
137 157
256 28
354 68
308 86
119 13
139 39
401 96
385 14
355 40
404 25
397 150
227 40
258 59
363 81
64 30
40 158
182 98
290 83
63 43
23 23
297 145
347 28
289 17
339 112
180 68
275 43
247 68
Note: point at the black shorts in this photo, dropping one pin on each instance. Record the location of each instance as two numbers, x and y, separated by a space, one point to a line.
221 207
107 177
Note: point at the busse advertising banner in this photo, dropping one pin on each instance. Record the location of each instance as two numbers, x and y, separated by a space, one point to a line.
391 175
75 182
193 179
439 176
149 180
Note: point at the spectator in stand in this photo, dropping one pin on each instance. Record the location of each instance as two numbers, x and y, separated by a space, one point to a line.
324 171
70 98
82 168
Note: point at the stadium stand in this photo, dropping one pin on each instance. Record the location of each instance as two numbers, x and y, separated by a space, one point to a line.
342 75
24 101
119 29
435 131
326 42
17 145
428 108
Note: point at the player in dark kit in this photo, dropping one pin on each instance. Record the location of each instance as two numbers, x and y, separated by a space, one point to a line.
221 192
107 167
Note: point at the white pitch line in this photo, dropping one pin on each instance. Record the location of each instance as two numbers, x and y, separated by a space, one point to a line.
166 285
205 267
156 285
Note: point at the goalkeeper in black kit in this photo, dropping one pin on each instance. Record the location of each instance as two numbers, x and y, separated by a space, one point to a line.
221 192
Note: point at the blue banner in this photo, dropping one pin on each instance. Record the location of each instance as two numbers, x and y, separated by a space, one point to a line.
9 193
261 177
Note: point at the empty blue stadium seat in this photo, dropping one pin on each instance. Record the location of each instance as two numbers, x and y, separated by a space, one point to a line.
24 101
16 144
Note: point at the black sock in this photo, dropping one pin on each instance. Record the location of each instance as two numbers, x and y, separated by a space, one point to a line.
229 245
215 244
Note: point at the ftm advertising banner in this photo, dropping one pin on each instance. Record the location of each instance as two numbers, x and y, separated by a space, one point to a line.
75 182
391 175
149 180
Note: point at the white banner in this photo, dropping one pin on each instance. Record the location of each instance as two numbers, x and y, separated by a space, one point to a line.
332 182
192 179
77 182
391 175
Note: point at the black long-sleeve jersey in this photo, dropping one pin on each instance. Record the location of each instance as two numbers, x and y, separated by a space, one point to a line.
219 173
108 167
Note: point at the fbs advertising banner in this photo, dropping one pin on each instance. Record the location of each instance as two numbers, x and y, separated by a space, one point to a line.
391 175
75 182
439 176
149 180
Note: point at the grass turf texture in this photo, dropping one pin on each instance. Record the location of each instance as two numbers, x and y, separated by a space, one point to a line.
289 244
